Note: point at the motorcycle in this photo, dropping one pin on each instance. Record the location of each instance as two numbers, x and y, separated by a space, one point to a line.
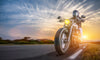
68 36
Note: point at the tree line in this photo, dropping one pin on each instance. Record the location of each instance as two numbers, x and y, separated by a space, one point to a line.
26 40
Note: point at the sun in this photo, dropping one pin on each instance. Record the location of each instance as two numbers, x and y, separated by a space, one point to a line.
84 37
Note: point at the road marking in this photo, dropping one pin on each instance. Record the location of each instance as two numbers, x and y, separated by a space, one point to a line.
75 54
72 57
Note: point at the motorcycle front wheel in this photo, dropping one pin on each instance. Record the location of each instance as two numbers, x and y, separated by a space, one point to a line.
61 41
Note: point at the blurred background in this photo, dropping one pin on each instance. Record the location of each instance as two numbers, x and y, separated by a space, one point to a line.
38 18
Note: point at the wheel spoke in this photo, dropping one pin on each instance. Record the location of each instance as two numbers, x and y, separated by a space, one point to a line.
63 40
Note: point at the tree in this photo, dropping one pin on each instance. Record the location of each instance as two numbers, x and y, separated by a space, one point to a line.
26 38
0 38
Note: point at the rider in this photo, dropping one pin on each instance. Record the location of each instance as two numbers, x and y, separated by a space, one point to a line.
78 20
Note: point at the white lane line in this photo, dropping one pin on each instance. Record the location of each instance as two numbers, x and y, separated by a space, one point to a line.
75 54
72 57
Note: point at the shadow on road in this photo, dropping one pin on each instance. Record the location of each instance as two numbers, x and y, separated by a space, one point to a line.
52 56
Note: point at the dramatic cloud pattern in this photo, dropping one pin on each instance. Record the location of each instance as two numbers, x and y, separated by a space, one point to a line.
37 18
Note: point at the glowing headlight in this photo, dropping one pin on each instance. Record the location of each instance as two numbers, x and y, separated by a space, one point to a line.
67 21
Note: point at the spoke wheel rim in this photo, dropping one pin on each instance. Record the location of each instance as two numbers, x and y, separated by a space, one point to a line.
64 45
62 40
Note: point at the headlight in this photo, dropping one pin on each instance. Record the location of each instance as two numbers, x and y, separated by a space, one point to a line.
67 21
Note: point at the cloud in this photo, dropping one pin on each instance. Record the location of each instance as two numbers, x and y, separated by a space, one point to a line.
38 19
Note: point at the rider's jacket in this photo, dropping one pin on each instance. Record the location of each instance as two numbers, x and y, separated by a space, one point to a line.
78 20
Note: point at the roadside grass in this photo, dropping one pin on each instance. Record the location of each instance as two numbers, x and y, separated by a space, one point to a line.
92 52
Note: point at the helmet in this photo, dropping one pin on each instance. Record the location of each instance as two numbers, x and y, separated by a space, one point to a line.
75 13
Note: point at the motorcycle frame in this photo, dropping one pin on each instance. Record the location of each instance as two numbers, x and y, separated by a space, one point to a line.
73 24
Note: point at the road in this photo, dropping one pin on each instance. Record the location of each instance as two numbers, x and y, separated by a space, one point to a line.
34 52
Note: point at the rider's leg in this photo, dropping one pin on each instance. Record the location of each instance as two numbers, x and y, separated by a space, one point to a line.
81 31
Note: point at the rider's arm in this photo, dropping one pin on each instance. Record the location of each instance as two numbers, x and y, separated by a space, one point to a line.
61 20
82 20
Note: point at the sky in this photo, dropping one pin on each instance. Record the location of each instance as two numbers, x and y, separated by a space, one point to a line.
38 18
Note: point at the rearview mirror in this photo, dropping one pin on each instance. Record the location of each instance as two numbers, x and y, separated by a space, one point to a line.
82 16
59 17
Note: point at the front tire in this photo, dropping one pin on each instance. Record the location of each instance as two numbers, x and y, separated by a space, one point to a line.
61 41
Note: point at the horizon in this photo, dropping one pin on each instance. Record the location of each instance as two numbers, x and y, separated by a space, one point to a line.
46 39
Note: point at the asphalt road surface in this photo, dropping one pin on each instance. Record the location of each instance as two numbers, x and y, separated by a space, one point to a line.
36 52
